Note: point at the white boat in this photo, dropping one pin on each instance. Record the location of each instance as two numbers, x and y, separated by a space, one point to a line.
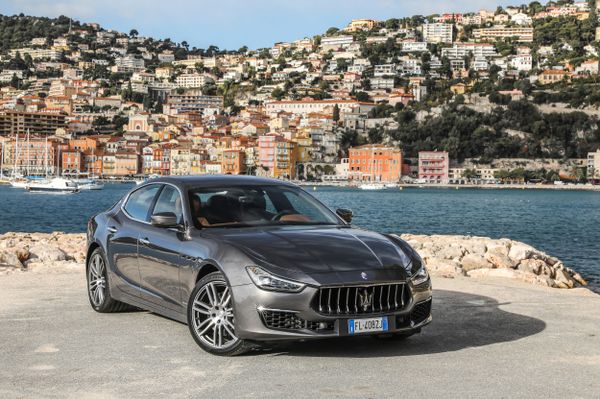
89 184
56 185
19 183
391 185
372 186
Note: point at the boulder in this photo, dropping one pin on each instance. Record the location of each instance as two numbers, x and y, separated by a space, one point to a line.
443 267
499 247
450 252
47 253
499 260
563 280
534 266
10 259
519 251
473 261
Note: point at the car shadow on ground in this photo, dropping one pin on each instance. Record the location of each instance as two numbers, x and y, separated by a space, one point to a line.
460 321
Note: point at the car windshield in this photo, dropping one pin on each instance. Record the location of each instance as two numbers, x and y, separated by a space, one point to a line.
242 206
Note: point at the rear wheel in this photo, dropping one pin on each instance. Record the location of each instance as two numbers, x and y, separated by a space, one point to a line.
210 317
98 289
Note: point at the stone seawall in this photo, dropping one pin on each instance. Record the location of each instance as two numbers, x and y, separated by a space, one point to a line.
480 257
445 256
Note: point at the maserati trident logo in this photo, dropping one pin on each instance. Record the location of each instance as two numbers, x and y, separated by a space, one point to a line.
366 299
363 275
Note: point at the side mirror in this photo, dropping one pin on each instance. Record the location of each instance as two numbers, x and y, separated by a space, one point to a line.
164 219
345 214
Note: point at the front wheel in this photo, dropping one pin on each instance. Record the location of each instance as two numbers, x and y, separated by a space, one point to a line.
210 317
98 289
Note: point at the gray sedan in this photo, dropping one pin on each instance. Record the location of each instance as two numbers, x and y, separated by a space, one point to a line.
248 261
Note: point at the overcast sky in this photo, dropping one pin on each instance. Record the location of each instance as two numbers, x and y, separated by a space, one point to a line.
231 24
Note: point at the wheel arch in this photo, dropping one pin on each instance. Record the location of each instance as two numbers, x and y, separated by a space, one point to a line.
91 248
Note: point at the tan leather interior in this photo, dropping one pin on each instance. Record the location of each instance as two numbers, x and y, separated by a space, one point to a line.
294 218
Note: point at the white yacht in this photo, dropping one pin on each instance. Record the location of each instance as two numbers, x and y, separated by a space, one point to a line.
89 184
372 186
56 185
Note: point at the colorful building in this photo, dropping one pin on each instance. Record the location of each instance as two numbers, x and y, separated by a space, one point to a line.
375 162
277 156
434 166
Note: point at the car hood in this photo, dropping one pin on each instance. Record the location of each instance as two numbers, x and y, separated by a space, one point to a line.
323 254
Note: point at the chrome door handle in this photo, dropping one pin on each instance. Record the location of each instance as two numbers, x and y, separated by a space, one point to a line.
112 229
144 241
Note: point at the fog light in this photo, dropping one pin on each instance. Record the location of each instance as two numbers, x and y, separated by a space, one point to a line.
322 326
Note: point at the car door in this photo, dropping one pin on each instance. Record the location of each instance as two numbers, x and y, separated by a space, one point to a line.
123 233
159 253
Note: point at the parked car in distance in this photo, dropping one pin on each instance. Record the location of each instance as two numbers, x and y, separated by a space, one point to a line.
246 261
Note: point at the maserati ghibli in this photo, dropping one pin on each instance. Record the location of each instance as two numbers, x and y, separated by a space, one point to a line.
247 261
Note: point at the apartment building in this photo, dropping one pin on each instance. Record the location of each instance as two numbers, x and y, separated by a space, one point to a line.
384 70
522 34
550 76
334 42
37 123
438 32
233 162
34 156
277 156
191 101
361 24
593 165
38 53
192 80
478 50
414 47
121 163
434 166
305 107
374 162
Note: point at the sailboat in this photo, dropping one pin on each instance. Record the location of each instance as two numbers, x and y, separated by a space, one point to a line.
57 185
17 180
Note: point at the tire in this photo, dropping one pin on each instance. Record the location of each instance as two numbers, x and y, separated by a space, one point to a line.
210 317
98 286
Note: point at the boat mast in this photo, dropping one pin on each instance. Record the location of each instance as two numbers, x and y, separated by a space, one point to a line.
28 153
46 157
15 155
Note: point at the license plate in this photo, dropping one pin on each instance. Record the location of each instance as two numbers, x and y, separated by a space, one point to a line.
358 326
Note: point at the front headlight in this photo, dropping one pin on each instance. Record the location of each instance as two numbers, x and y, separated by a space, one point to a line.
421 276
267 281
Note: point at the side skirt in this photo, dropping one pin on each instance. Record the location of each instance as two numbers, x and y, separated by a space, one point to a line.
151 307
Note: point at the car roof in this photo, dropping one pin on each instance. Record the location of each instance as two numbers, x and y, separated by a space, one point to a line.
218 180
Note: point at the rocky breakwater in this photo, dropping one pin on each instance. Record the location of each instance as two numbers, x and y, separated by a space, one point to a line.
481 257
445 256
40 252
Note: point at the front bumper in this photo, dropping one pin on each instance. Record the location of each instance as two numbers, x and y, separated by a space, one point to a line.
253 306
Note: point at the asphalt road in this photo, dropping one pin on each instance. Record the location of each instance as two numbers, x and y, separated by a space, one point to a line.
486 340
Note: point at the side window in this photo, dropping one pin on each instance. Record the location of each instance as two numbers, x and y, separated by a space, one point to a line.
169 200
139 202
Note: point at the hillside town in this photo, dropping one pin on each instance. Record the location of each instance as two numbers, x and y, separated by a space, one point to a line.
436 99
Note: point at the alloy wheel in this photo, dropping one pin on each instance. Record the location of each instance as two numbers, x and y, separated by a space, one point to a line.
212 315
97 280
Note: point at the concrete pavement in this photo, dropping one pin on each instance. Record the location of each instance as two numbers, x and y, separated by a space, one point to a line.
488 339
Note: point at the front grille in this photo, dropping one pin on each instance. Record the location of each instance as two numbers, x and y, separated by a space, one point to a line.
361 299
282 320
421 312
